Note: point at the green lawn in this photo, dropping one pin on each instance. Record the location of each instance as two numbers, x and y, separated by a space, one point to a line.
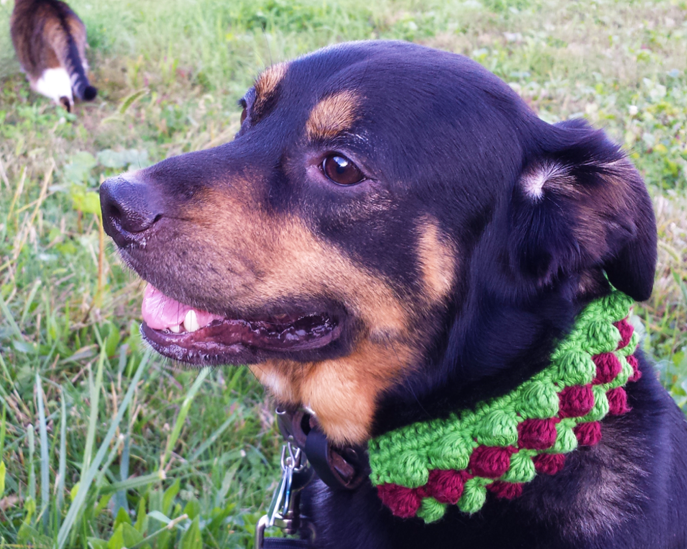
89 455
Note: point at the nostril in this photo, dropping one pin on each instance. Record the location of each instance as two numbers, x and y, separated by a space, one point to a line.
128 208
114 212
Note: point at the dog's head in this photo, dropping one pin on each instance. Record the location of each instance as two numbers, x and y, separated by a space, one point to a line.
383 212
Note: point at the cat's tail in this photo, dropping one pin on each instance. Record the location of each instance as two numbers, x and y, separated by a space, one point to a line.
77 73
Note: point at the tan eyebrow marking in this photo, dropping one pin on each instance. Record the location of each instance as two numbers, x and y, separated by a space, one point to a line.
267 83
332 115
437 261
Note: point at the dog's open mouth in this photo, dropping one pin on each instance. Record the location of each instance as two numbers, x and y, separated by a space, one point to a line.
190 335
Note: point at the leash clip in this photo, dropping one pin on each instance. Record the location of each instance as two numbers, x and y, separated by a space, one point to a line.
283 511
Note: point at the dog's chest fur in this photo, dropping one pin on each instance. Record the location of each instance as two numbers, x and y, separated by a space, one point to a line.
608 496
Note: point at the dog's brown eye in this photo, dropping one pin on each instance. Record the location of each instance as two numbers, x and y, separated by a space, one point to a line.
341 170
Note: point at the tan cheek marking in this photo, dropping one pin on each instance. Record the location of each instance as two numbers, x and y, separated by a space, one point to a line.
306 264
277 381
332 115
292 263
437 260
267 83
284 261
342 392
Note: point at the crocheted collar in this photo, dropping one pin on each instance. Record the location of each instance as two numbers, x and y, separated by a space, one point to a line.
504 442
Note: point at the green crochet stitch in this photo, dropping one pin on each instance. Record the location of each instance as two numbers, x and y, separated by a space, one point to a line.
504 442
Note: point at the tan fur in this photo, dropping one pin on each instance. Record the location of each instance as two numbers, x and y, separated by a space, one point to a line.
332 115
51 60
291 261
275 259
437 260
267 83
342 392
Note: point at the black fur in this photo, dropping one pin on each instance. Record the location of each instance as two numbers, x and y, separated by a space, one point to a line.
626 492
80 84
440 137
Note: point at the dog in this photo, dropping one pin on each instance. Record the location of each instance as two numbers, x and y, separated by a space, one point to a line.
50 41
394 237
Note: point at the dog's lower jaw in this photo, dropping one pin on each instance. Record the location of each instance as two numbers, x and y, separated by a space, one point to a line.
341 392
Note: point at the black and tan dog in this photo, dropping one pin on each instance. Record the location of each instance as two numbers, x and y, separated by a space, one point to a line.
393 235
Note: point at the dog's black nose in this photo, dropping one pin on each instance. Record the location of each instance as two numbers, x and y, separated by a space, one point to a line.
129 209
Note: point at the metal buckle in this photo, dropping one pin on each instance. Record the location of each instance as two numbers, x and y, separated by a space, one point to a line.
283 511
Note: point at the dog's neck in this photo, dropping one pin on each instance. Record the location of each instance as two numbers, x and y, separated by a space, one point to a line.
502 443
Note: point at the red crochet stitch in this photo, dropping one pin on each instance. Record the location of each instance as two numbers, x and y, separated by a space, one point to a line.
549 464
637 373
403 502
588 434
446 486
537 434
626 330
607 368
617 401
506 490
576 401
491 461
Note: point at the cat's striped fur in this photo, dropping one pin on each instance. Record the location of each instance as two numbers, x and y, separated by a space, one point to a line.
50 41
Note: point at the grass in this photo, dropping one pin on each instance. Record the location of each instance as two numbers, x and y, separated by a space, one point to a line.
105 446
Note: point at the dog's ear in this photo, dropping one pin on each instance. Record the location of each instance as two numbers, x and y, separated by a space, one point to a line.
580 206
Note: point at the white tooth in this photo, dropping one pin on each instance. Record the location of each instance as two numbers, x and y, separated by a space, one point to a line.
191 321
175 329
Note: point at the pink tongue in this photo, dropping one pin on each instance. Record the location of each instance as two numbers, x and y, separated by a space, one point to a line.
161 312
